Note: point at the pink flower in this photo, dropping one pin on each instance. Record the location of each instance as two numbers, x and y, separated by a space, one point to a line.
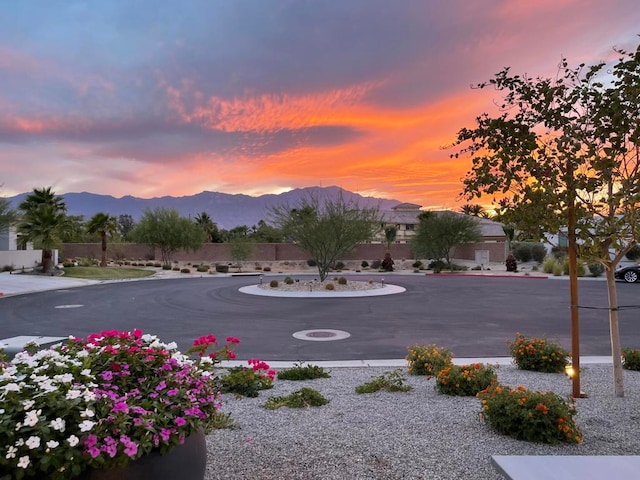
93 451
173 392
231 354
90 441
179 421
131 450
137 333
233 340
120 407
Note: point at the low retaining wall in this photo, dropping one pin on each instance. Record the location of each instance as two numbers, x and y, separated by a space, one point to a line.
267 252
23 258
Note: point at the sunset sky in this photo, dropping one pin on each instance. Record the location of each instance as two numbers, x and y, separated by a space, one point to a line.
153 97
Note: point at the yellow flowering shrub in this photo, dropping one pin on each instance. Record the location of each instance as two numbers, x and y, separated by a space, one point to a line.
427 359
538 354
465 380
529 415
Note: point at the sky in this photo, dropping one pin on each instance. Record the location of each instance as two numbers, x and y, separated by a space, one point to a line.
158 97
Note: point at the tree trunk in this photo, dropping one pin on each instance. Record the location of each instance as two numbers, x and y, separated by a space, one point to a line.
616 351
47 260
103 259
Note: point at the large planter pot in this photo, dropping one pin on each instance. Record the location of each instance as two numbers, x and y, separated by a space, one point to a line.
184 462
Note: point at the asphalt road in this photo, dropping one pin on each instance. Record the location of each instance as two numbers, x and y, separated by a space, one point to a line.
472 316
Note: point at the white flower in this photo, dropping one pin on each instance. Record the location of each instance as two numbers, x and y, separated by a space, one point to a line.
27 404
33 442
82 354
88 413
52 444
58 424
73 440
86 372
18 426
206 360
86 425
172 346
64 378
11 452
31 418
19 442
88 395
73 394
11 387
24 461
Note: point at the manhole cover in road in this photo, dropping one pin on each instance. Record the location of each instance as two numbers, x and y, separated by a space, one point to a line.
321 335
68 306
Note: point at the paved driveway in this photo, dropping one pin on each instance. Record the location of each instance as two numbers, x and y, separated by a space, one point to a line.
472 316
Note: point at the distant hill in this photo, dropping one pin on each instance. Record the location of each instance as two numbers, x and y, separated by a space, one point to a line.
225 209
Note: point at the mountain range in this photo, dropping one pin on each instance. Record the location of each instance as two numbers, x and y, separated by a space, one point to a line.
227 210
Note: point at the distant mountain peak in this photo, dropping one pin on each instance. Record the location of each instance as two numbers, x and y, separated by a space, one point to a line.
227 210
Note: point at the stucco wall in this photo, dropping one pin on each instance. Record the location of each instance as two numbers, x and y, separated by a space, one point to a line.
266 252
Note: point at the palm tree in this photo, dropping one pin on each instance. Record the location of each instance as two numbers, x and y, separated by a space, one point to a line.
106 226
43 223
390 234
473 209
208 225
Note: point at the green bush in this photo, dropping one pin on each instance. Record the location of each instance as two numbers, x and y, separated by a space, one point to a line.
436 266
559 252
389 382
157 264
202 268
176 269
166 266
538 252
417 264
538 354
288 280
312 263
329 286
273 283
375 265
522 252
529 415
185 270
631 359
248 381
266 269
557 270
342 281
427 359
306 397
596 269
548 264
364 264
465 380
306 372
338 266
222 268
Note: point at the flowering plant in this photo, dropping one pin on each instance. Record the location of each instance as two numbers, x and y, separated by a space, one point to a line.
528 415
247 381
103 401
428 359
465 380
538 354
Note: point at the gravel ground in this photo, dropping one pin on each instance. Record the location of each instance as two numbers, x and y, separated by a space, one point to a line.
416 435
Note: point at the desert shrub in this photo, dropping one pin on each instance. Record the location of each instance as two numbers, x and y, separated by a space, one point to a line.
557 270
631 359
176 269
371 281
534 268
477 267
306 397
221 268
417 264
88 261
329 286
596 269
387 263
375 265
166 267
364 264
427 359
529 415
157 264
436 265
312 263
342 281
634 253
266 269
202 268
248 381
288 280
338 266
522 252
185 270
538 354
303 372
465 380
548 264
559 252
459 268
538 252
273 283
148 264
389 382
511 263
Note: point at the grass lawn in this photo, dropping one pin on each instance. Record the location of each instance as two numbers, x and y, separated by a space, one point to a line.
106 273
